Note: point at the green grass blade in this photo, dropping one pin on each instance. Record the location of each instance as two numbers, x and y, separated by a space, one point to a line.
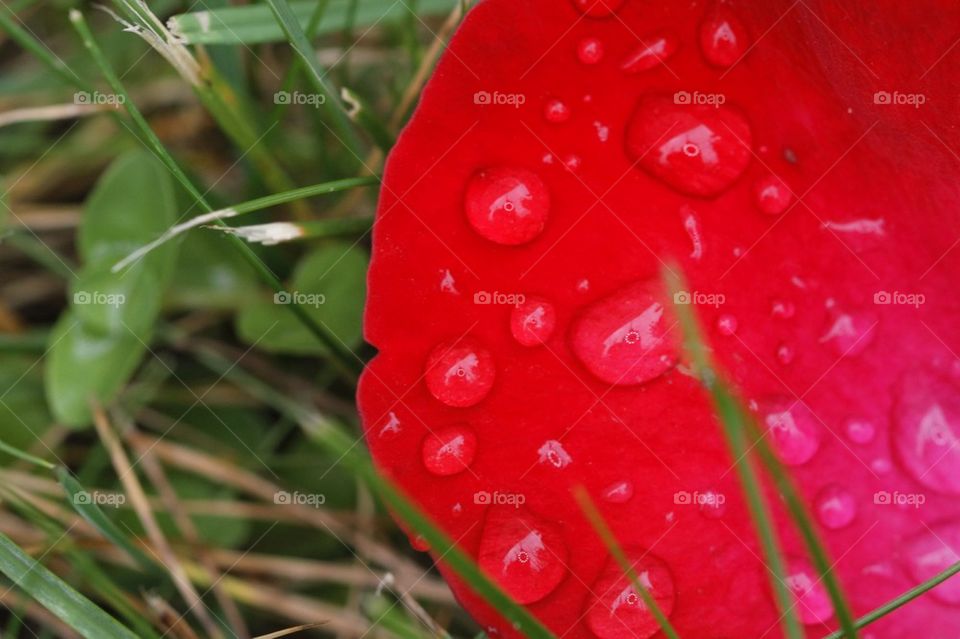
55 595
253 24
25 456
734 429
600 526
902 600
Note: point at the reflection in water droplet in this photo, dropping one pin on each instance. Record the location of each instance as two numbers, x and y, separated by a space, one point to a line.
860 431
783 309
460 374
723 38
785 354
692 226
524 554
617 610
572 162
772 195
697 149
795 431
590 50
933 551
652 51
449 451
850 333
553 453
447 283
712 504
926 432
507 205
533 321
835 507
813 602
556 111
619 492
726 325
623 338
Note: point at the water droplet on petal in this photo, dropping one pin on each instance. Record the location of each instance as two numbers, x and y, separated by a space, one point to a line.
881 466
460 374
813 602
712 504
524 554
598 8
449 451
926 432
860 431
623 338
533 321
723 38
619 492
772 195
653 50
932 552
617 610
692 226
572 162
391 425
783 309
794 429
835 507
786 354
850 333
697 149
603 131
447 283
556 111
726 325
553 453
507 205
590 50
420 543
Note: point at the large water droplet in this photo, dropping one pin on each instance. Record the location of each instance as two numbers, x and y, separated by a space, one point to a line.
926 432
624 338
653 50
723 38
449 451
590 50
525 555
836 507
772 195
533 321
932 552
813 602
617 610
460 374
850 333
507 205
697 149
598 8
794 429
556 111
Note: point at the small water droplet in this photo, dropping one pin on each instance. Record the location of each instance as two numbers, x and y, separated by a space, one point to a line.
926 427
813 602
583 286
795 431
507 205
447 283
726 325
860 431
772 195
590 50
524 554
712 504
850 333
618 610
619 492
391 426
420 543
449 451
556 111
691 225
932 552
723 38
623 338
881 466
572 162
653 50
782 309
533 321
697 149
835 507
786 354
460 374
598 8
553 453
603 131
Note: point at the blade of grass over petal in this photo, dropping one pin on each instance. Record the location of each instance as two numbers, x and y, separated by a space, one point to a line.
600 526
902 600
731 418
340 356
